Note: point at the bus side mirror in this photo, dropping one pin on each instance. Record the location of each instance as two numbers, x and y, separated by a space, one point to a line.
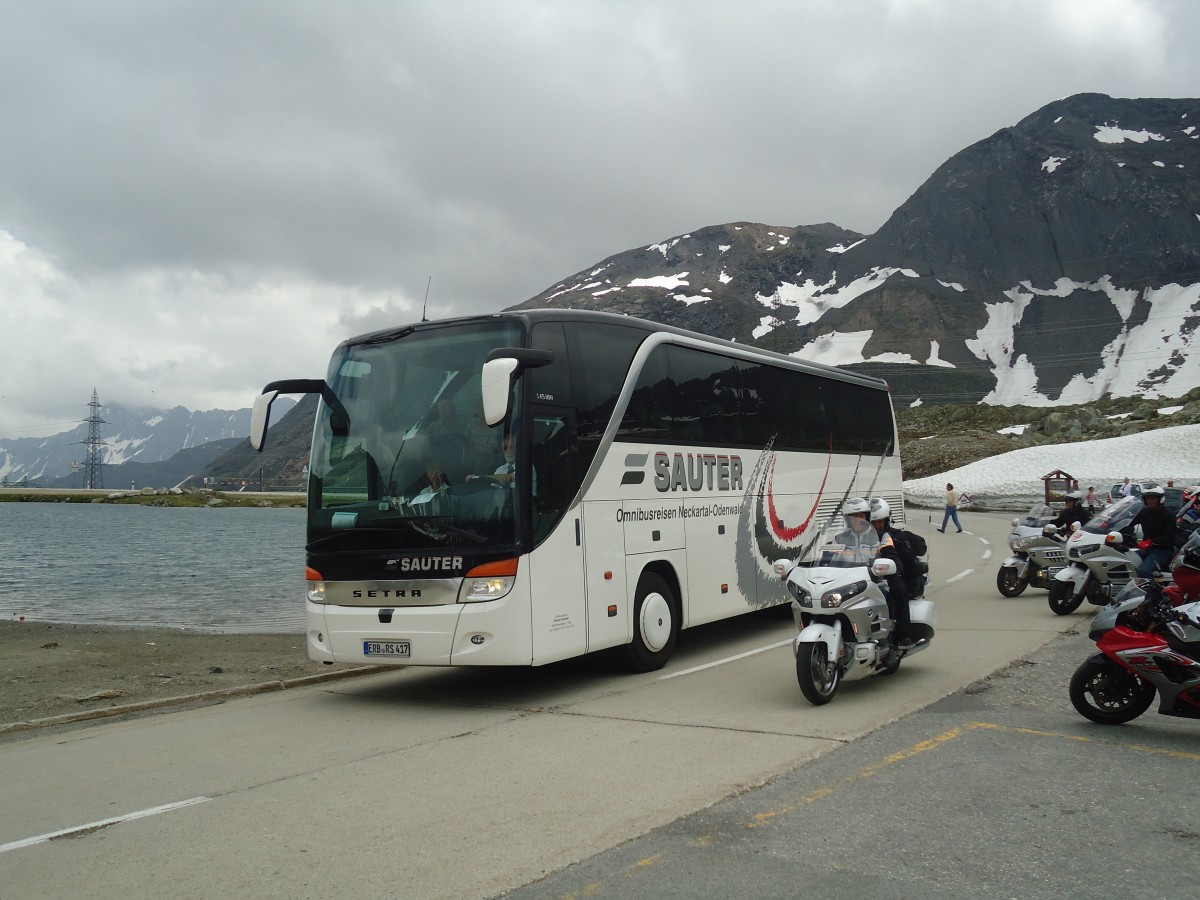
501 368
260 418
496 385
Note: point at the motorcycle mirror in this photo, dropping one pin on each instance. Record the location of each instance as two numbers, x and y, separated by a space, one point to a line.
782 567
1049 530
1075 526
1114 538
1016 522
883 568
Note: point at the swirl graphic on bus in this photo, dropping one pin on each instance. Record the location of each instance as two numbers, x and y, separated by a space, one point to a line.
763 535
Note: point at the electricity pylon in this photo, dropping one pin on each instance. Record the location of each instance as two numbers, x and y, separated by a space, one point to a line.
93 466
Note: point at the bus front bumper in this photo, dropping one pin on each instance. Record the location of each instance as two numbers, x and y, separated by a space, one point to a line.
492 633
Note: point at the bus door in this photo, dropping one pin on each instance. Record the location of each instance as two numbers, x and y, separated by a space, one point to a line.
556 583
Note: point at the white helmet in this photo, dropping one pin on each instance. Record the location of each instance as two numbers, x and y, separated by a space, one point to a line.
854 506
1153 490
880 509
1073 495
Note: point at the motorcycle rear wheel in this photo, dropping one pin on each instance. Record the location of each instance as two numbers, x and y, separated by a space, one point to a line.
1062 598
1108 694
1009 583
817 674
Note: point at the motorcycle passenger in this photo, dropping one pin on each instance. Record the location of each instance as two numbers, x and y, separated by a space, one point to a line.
910 547
1073 512
1189 513
1158 532
877 513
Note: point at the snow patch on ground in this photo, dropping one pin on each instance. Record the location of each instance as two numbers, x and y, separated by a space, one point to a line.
668 282
1015 478
1113 134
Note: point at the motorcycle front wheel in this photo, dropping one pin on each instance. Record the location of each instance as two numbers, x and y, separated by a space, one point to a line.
1108 694
1009 582
817 674
1062 598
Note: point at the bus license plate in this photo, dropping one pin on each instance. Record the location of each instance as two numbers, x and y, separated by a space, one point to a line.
387 648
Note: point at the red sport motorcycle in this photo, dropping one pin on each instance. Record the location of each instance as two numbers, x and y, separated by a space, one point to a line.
1149 642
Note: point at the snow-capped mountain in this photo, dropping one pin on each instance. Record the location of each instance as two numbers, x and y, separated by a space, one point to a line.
1056 261
129 435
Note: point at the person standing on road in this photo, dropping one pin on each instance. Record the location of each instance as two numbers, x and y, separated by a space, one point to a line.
1091 501
951 509
1126 487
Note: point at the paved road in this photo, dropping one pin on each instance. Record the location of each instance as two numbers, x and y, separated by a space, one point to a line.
464 783
1000 790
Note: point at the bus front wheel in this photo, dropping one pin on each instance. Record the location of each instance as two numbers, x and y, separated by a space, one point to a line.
655 624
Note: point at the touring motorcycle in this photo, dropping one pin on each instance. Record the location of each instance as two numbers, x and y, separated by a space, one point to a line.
1099 561
1037 553
841 613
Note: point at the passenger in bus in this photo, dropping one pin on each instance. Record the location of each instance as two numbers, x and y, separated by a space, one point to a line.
445 417
437 484
506 473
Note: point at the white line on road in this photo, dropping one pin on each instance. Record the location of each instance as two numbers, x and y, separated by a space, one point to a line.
103 823
721 662
959 576
987 554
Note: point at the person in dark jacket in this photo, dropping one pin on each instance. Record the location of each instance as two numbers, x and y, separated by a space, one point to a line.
1073 512
1158 532
898 593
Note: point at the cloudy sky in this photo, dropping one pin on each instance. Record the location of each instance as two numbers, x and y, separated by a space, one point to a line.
199 197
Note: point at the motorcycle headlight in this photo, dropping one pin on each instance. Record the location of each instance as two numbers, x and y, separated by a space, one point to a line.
835 598
800 595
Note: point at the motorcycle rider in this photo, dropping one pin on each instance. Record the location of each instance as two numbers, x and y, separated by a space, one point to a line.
1158 532
859 540
1074 511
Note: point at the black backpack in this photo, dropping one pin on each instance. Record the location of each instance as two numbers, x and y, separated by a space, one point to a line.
909 546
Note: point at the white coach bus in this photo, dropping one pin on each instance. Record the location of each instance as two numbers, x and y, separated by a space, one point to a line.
522 488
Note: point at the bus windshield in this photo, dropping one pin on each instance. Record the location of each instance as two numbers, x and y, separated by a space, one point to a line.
411 464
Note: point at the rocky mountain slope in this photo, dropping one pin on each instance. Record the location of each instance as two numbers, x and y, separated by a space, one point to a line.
1057 261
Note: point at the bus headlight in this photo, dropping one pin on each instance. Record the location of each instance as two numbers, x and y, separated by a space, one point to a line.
490 581
489 588
316 585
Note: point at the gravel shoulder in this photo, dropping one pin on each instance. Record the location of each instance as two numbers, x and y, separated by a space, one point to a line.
54 670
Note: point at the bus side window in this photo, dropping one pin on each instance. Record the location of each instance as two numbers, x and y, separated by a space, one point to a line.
651 413
600 358
552 383
708 396
550 453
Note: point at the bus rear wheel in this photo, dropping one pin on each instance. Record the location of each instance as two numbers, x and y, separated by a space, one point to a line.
655 624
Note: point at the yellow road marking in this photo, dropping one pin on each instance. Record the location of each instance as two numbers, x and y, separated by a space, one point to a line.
941 740
765 818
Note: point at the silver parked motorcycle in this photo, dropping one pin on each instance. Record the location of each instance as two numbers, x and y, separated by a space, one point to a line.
1099 561
1037 553
841 612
